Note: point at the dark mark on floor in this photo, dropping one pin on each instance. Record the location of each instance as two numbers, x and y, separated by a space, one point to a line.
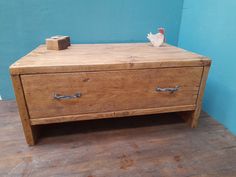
126 162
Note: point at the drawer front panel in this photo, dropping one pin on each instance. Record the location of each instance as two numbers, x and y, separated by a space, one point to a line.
49 95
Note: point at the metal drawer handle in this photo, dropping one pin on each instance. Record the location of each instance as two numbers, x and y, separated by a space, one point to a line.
171 90
66 97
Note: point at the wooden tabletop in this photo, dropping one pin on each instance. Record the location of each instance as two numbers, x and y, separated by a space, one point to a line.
94 57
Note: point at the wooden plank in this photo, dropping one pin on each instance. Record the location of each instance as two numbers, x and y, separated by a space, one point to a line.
192 117
29 131
109 90
103 115
97 57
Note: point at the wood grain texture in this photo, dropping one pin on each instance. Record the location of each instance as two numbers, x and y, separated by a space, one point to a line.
29 131
97 57
110 91
147 146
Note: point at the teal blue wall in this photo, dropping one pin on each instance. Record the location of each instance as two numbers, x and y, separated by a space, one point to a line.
209 27
24 24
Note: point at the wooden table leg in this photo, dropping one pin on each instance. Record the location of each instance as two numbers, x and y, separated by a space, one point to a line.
29 130
191 117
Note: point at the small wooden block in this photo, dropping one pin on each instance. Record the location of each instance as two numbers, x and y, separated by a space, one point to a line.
58 42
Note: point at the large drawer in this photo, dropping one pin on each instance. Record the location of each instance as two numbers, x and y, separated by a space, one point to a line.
61 94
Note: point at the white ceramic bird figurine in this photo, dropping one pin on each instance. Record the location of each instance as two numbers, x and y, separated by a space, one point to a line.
157 39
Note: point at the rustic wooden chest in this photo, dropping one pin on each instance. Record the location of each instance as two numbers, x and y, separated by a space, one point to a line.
93 81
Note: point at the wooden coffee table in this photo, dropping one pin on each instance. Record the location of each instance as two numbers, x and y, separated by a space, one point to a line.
94 81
